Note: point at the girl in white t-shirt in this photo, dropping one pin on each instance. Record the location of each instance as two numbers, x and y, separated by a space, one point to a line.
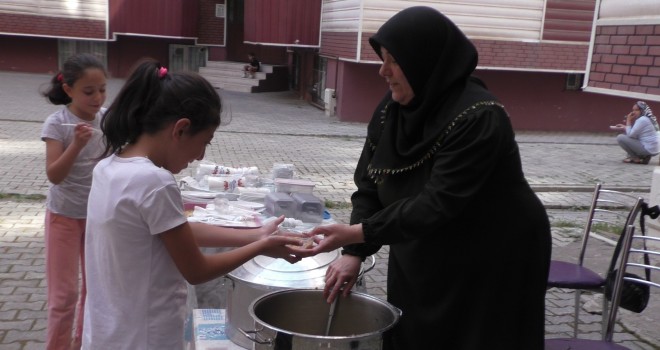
141 250
73 147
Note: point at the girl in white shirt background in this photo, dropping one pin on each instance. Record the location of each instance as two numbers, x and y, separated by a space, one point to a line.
73 147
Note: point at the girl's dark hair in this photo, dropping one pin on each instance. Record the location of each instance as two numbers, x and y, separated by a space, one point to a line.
151 99
72 70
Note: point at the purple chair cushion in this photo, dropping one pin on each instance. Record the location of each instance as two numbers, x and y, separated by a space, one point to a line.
569 275
581 344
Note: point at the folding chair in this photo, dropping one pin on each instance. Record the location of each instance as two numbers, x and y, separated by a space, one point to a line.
610 208
632 259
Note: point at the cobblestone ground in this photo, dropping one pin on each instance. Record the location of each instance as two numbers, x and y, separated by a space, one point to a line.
22 278
22 282
276 127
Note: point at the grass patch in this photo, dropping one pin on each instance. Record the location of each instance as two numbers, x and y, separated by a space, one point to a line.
565 224
601 227
337 205
596 227
22 197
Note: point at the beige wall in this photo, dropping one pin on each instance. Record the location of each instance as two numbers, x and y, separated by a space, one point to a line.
632 10
490 19
82 9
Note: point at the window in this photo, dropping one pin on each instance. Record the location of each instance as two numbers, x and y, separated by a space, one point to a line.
68 48
318 87
574 81
220 10
186 58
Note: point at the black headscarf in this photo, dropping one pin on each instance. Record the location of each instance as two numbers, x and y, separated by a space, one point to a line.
437 60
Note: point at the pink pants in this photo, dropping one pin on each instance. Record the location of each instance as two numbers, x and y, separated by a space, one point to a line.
65 252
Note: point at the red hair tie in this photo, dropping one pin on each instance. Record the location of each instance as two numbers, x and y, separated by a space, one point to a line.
162 72
59 77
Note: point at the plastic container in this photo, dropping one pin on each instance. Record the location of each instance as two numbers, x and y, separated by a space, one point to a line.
294 186
223 183
308 208
253 194
192 199
284 171
278 203
188 207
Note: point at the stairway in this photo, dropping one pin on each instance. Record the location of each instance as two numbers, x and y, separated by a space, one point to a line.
228 75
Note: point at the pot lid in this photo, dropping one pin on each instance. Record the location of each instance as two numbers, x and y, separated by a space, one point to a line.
307 273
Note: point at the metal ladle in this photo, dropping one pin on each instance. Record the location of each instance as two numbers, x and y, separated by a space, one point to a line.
331 313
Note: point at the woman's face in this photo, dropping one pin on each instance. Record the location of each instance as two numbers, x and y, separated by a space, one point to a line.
636 111
402 92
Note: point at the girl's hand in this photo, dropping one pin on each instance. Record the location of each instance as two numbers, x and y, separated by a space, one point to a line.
285 247
270 227
82 134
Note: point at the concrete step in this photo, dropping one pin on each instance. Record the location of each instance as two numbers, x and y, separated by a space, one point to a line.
237 80
233 87
228 75
236 66
209 72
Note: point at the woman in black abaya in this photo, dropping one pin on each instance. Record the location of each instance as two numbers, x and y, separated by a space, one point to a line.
440 181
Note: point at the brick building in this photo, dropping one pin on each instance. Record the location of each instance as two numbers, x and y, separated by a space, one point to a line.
626 51
560 65
534 54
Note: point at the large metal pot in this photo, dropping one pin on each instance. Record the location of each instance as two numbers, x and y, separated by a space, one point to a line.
263 275
297 319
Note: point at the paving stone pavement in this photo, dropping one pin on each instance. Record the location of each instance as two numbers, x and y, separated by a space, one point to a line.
267 128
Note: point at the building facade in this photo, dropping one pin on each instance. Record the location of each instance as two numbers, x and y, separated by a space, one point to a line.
536 55
557 65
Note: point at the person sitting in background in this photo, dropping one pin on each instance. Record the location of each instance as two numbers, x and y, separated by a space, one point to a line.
641 139
251 68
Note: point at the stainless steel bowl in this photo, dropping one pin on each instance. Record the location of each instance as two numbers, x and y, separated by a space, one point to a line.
297 319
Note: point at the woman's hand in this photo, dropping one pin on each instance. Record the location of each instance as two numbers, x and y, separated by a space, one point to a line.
341 276
335 236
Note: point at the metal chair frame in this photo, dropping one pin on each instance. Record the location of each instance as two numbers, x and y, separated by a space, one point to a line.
601 206
606 342
625 265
